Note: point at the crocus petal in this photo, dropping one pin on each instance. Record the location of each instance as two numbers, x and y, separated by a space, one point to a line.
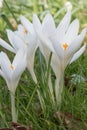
11 85
27 24
75 45
6 46
44 41
62 27
48 25
57 47
31 49
55 64
45 52
43 38
20 27
36 23
20 64
5 65
78 54
20 31
5 57
19 57
30 66
15 40
72 31
12 76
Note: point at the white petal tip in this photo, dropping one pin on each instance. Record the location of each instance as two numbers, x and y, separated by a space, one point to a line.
35 17
83 33
78 53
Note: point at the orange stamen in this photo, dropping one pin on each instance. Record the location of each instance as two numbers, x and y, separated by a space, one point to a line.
25 31
12 67
65 46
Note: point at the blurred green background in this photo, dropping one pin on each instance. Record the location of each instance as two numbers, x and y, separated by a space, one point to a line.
14 8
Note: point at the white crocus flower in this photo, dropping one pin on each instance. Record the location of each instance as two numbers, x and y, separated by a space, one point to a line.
67 50
12 72
43 32
64 50
22 38
27 25
69 44
47 29
66 43
32 45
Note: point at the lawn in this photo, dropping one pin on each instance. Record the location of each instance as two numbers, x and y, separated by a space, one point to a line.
35 107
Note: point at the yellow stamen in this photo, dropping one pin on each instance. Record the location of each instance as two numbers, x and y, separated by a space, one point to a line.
25 31
12 67
65 46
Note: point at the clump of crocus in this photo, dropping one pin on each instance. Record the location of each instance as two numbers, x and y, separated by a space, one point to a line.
65 43
23 38
12 72
67 47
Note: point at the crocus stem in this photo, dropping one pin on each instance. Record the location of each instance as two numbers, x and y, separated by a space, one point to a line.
57 90
41 99
14 116
33 76
51 89
48 67
49 82
61 84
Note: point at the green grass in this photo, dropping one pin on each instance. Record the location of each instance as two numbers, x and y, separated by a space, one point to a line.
30 111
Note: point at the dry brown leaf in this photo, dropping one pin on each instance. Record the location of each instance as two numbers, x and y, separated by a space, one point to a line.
67 118
17 126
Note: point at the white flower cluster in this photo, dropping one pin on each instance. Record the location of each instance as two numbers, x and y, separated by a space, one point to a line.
62 41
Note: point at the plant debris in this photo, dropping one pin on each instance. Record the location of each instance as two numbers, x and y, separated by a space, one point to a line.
70 121
17 126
